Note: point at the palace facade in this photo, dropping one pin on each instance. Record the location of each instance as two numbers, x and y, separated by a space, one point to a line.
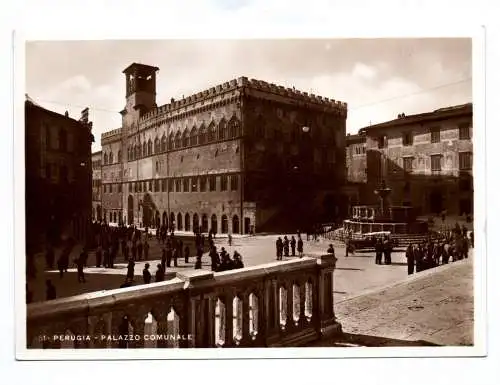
426 159
243 156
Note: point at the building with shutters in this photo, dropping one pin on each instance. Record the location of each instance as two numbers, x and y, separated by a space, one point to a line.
243 156
426 159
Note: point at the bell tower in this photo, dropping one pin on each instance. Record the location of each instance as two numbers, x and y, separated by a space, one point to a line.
140 89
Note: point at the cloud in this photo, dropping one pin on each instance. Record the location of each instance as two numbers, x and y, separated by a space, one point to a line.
378 78
364 71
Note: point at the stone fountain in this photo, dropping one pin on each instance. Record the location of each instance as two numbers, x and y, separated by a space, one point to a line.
384 217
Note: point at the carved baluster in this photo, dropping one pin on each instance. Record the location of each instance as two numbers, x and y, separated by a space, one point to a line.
138 322
228 303
325 312
246 338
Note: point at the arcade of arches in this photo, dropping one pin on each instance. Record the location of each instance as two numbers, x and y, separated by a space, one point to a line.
150 216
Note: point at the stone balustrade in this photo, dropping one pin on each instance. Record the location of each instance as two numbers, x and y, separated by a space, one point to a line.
288 303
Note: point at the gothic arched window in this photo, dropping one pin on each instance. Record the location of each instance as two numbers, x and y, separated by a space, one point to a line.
194 137
222 130
211 132
157 145
202 135
171 141
185 138
150 147
144 149
119 158
105 158
178 140
111 158
234 128
163 143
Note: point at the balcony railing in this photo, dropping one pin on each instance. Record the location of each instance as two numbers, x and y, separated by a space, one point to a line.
286 303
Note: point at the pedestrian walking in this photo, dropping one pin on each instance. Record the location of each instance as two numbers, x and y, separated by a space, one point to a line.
186 254
175 255
80 263
331 250
300 247
410 259
293 243
50 291
229 239
146 275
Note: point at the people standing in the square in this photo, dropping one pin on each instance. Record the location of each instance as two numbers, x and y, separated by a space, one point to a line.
300 247
279 249
286 246
410 259
293 243
146 275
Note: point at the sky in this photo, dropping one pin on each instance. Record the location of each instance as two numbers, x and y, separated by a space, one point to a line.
377 78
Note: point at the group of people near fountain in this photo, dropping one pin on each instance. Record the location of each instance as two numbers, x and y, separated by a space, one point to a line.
450 247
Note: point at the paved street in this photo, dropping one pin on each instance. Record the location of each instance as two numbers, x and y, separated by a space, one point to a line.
435 307
353 275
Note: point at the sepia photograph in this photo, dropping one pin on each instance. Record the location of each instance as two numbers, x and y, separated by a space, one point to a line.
248 193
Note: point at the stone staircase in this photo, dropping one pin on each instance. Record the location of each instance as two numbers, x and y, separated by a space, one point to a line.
403 240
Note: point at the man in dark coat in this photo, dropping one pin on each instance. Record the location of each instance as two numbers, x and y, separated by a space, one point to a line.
169 255
146 275
160 273
279 249
293 243
130 269
186 254
410 259
237 261
379 250
300 247
80 263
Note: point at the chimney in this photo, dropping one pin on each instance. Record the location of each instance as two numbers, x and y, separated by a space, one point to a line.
66 114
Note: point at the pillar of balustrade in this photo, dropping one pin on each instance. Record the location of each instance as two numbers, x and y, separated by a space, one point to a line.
197 324
328 324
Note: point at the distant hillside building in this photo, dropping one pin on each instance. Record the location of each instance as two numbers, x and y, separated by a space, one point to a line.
236 157
58 176
425 158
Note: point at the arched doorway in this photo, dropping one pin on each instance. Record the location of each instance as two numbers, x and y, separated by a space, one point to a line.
179 221
204 223
196 223
224 227
187 222
436 202
213 223
172 221
99 215
130 210
164 221
236 224
147 211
